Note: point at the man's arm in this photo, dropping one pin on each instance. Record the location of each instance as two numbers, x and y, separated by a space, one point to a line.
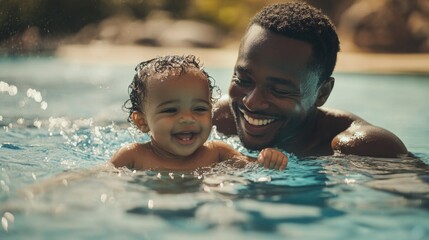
222 117
364 139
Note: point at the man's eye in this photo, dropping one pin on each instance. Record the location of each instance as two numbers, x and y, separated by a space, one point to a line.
283 93
240 81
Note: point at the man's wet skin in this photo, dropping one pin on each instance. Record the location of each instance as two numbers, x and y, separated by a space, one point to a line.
275 100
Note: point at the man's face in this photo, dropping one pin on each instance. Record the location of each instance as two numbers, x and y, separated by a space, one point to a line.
273 91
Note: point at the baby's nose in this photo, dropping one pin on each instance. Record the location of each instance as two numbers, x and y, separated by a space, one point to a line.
187 119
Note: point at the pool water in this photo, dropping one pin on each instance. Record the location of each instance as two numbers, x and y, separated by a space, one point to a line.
59 117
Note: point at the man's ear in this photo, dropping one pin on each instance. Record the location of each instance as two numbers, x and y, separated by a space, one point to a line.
139 120
325 91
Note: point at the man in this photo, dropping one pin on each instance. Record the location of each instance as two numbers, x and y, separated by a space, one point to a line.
282 78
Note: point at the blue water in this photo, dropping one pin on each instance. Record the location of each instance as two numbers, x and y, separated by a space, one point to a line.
70 122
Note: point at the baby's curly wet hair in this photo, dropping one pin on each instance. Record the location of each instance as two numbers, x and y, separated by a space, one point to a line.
165 64
303 22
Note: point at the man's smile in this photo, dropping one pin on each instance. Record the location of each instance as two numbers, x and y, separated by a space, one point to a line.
255 121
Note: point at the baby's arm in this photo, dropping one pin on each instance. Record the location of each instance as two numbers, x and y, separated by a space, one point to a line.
272 158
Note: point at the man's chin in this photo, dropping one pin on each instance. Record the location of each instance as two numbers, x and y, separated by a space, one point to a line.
252 147
253 143
249 141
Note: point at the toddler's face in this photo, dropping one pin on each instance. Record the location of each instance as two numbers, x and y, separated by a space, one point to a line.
178 112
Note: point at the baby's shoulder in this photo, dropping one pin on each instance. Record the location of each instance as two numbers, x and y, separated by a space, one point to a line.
128 154
132 147
215 143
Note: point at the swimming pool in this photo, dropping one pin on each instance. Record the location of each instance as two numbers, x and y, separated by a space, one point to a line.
61 116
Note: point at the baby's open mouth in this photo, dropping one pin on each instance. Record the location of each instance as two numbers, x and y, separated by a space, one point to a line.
185 136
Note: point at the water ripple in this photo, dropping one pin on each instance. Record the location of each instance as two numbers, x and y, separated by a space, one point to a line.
10 146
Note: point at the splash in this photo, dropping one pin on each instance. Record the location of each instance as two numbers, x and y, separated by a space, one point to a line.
37 97
12 90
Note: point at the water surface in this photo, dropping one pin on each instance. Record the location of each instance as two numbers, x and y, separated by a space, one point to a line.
59 117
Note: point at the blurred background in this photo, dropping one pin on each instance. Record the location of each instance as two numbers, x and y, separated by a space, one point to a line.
42 26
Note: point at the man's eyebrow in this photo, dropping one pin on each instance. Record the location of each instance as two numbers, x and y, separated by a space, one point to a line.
242 69
283 81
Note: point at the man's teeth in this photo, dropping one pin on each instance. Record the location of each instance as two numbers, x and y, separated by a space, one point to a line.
258 122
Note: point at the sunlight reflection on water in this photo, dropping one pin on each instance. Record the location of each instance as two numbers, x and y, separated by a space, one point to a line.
81 125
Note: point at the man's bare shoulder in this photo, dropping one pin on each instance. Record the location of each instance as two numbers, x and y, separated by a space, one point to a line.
353 135
339 115
222 117
332 122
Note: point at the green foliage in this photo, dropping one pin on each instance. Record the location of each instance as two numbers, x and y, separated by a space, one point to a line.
50 16
59 17
227 14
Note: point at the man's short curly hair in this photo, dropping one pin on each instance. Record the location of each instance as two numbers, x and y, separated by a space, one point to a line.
160 65
300 21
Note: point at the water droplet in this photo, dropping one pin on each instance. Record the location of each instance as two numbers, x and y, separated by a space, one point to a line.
9 216
37 123
4 187
20 121
150 204
103 198
12 90
34 94
264 179
6 219
349 181
43 105
5 224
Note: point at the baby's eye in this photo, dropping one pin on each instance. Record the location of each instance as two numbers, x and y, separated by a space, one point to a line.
201 109
168 110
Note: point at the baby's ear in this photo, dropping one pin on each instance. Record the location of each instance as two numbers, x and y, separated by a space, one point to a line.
139 120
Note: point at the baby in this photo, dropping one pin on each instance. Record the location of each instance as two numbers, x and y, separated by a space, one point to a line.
171 99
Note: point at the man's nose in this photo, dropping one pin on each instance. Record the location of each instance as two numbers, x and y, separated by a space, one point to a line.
255 100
